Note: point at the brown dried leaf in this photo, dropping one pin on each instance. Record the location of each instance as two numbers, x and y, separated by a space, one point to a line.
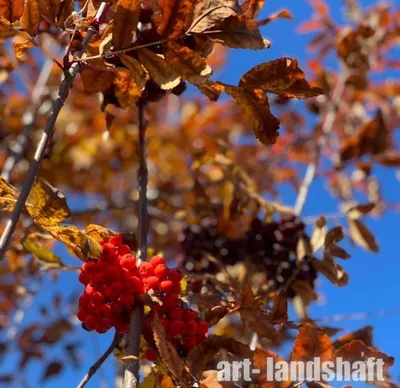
282 76
257 321
31 17
334 235
359 210
52 369
125 23
372 139
135 69
11 10
319 234
158 69
333 271
207 13
356 350
211 89
362 236
283 14
206 350
169 355
256 107
239 32
176 17
304 248
188 64
311 342
49 9
126 90
337 251
279 312
49 205
96 81
364 334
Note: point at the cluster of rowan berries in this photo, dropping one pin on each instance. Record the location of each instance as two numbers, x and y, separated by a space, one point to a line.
114 282
183 326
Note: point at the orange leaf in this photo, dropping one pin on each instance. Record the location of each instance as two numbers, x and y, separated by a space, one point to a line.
11 10
284 14
49 10
176 17
126 90
256 107
282 76
311 342
188 64
31 17
207 13
125 23
279 313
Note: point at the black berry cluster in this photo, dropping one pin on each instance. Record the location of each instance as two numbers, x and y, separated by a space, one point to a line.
272 247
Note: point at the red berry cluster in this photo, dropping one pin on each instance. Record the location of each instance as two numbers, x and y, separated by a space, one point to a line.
113 283
183 326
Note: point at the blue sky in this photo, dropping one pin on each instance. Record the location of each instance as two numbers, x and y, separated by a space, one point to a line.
373 277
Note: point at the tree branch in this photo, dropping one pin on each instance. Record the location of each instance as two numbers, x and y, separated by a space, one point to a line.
132 363
96 366
69 78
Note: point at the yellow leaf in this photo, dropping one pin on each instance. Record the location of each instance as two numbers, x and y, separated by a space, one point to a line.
40 252
158 69
126 90
125 23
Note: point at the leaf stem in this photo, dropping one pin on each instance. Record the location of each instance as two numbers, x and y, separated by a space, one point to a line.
132 363
96 366
69 78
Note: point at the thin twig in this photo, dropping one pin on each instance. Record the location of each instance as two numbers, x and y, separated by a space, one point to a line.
96 366
132 363
327 127
69 78
17 148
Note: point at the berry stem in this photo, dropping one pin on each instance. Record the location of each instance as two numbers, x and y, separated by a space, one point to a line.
131 376
69 77
96 366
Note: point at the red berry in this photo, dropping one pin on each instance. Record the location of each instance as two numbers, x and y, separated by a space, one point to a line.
89 267
128 261
146 269
202 328
176 289
99 279
170 300
111 272
116 240
90 322
190 327
200 337
161 271
116 290
124 250
109 250
189 343
197 285
116 308
176 327
89 290
175 313
134 285
166 286
82 314
84 278
151 283
189 315
127 300
150 355
84 300
156 260
97 298
104 312
175 275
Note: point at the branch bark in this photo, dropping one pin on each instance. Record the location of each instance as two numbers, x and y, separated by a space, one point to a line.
96 366
132 363
69 78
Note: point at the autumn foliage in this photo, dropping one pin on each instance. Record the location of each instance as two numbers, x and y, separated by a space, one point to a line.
228 259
